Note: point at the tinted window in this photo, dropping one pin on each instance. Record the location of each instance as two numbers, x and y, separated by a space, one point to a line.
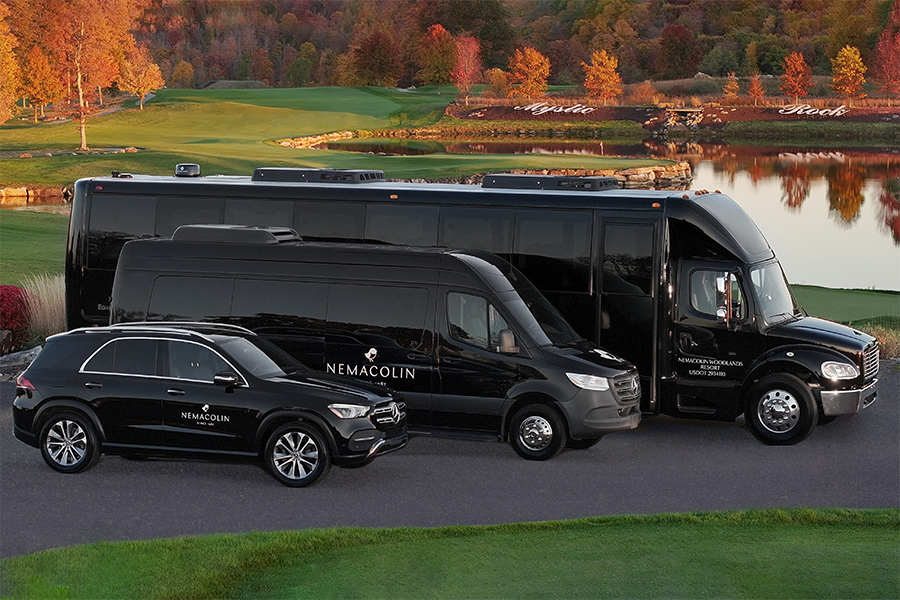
193 298
628 259
378 315
188 360
553 249
113 221
708 293
474 321
173 212
288 299
406 225
259 213
330 220
485 229
125 356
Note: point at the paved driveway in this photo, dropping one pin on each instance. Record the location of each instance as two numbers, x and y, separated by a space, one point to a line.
667 465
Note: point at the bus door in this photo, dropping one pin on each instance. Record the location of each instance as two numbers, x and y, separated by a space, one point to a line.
715 341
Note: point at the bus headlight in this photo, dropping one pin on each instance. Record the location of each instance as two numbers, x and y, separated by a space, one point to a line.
589 382
839 370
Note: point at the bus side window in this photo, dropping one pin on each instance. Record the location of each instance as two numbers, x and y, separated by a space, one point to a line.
325 221
174 211
114 220
488 229
402 224
553 249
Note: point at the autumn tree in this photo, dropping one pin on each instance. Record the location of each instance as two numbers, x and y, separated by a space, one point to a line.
260 67
498 83
183 75
732 88
601 78
679 53
9 68
529 70
886 66
797 77
377 59
437 57
40 84
139 74
467 70
756 90
847 74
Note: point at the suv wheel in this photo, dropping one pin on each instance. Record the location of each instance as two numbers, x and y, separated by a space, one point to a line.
297 455
537 432
69 443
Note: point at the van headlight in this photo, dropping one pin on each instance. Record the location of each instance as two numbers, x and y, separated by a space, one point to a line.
839 370
349 411
589 382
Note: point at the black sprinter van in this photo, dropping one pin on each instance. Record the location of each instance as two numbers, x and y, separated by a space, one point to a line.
471 343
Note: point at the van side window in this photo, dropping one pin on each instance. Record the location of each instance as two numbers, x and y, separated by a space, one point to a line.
321 221
174 211
628 259
488 229
194 298
403 225
377 315
126 357
474 321
115 220
709 289
193 362
553 249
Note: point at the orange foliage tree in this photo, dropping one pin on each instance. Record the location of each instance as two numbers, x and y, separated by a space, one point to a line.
40 84
467 70
847 74
797 77
756 90
887 55
601 78
529 70
437 57
9 68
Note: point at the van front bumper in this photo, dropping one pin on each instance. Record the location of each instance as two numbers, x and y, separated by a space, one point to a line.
848 402
593 414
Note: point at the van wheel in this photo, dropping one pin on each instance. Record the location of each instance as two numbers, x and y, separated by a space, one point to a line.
537 432
781 410
69 443
582 444
297 455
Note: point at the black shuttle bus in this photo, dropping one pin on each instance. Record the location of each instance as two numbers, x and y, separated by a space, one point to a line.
681 284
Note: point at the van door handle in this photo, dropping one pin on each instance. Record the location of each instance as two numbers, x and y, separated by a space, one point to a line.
175 392
92 385
418 357
451 360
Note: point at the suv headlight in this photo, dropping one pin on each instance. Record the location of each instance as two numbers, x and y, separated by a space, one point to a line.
589 382
839 370
349 411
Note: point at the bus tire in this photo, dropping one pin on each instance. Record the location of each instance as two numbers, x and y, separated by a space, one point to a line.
781 410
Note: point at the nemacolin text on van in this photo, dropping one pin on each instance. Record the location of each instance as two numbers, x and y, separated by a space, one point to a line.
371 371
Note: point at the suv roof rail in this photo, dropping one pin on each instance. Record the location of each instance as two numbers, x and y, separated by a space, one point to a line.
294 175
235 234
549 182
169 325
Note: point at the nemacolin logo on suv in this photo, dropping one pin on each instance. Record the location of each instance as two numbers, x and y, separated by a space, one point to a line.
205 416
370 370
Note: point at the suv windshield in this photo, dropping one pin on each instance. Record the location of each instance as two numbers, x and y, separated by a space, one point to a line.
258 356
773 293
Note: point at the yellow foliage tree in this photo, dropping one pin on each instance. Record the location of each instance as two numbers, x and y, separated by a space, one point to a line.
529 70
9 81
732 87
847 74
601 78
139 75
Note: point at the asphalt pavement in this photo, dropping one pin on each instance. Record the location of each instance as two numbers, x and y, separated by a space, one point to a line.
667 465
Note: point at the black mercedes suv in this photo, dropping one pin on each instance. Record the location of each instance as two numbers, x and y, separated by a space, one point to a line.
198 390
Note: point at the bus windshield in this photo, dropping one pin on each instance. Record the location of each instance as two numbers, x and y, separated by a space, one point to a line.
773 293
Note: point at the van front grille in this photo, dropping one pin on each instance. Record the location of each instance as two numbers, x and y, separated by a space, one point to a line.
871 356
627 387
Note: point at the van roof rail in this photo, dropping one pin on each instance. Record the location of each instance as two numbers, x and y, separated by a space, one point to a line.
235 234
294 175
549 182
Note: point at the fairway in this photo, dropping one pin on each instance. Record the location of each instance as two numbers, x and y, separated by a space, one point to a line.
231 132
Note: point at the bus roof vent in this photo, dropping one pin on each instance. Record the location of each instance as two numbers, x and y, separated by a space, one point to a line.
235 234
549 182
187 170
316 175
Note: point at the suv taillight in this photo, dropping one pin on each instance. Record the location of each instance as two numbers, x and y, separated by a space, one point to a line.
24 383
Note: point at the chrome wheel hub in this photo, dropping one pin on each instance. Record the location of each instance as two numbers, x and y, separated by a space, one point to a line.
778 411
535 433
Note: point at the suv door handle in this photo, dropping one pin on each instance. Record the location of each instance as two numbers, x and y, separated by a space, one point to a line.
92 385
418 357
175 392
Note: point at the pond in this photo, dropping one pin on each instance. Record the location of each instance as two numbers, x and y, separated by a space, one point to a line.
832 214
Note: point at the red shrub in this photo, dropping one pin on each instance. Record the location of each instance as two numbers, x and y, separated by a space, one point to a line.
14 313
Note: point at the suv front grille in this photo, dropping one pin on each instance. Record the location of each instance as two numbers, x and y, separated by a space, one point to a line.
389 415
627 387
870 360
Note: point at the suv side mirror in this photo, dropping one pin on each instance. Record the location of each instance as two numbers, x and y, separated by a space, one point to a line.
227 380
507 342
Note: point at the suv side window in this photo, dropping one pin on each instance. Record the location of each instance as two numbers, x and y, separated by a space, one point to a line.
188 360
125 357
473 320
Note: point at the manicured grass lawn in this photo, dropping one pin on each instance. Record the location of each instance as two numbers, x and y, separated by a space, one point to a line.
31 243
231 132
849 306
745 554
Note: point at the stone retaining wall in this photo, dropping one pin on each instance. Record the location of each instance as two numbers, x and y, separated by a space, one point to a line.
22 195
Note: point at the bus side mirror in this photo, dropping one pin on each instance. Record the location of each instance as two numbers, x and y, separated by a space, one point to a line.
507 342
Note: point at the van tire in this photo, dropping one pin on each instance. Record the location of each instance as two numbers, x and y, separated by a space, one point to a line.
537 432
297 455
781 410
69 442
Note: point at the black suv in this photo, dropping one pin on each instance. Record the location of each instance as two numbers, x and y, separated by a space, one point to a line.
198 390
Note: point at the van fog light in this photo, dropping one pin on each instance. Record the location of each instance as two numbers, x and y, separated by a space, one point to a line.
589 382
839 370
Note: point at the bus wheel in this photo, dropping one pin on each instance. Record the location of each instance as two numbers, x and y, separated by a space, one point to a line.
781 410
537 432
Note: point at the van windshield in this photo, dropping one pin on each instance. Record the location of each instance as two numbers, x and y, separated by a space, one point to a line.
773 293
258 356
537 316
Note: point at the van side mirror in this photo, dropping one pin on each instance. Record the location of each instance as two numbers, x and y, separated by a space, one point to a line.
507 342
227 380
